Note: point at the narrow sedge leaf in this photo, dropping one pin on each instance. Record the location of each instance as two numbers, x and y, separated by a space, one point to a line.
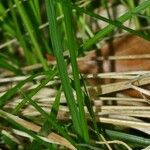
35 90
100 35
28 24
46 115
138 140
7 96
53 114
35 8
58 51
29 57
116 23
73 50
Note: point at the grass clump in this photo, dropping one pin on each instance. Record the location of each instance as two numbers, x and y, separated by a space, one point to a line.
45 102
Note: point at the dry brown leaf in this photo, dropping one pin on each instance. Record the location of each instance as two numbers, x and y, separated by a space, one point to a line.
52 137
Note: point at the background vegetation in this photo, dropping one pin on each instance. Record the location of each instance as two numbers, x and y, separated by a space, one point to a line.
32 31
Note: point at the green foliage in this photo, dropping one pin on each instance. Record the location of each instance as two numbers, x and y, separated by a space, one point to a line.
25 33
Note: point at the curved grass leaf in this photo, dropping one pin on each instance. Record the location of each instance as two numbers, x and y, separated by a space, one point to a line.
102 33
116 23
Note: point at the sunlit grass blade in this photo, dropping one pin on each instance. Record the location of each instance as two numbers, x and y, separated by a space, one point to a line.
131 4
102 33
29 27
116 23
58 51
50 76
36 23
28 55
49 105
73 53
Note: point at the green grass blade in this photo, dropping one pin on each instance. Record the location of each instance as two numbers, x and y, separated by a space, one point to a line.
35 90
30 30
73 50
11 58
57 48
53 114
2 11
131 5
6 97
28 55
8 26
15 124
100 35
8 140
46 115
46 128
112 22
36 9
137 140
6 65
